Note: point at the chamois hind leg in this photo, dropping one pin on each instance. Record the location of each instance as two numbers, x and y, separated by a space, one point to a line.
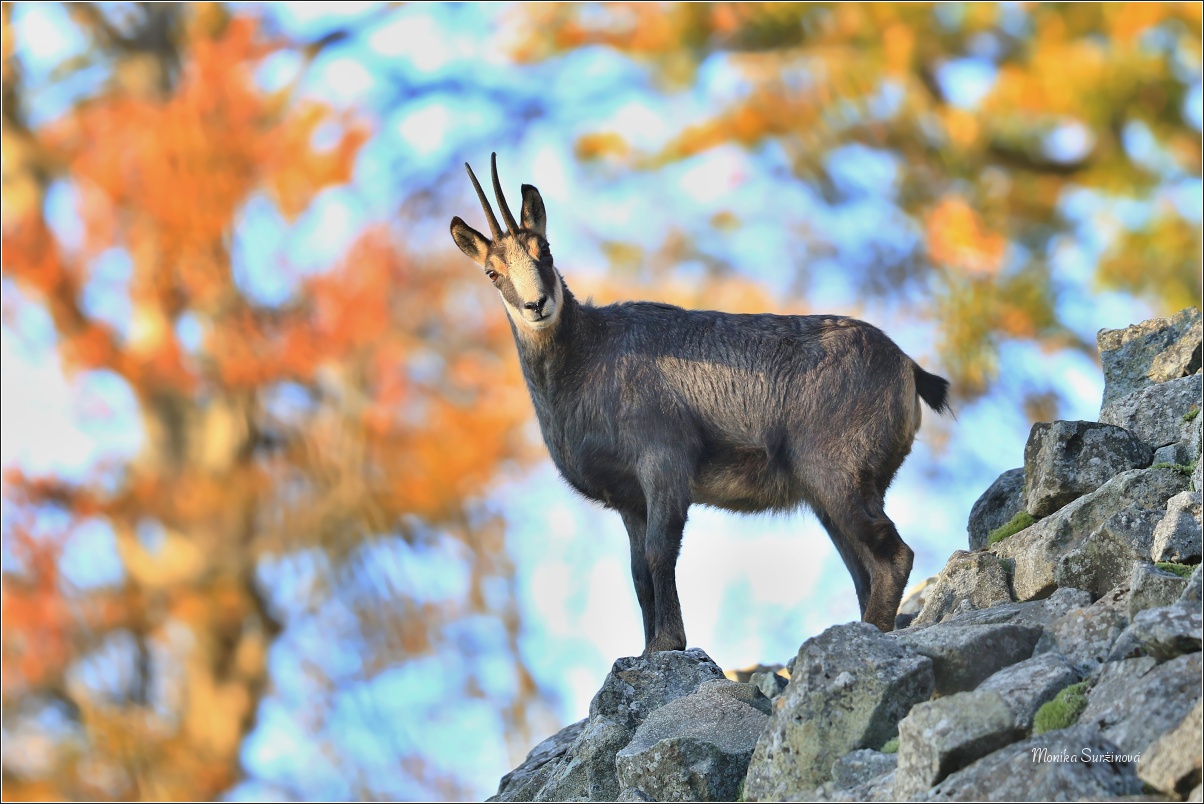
875 543
668 496
852 561
636 523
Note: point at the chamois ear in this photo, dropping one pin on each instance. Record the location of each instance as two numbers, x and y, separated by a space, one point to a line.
474 244
534 217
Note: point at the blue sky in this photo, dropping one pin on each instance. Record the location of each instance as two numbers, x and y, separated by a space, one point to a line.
752 588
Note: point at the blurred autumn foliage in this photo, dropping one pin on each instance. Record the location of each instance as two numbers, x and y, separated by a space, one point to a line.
1085 96
283 443
284 430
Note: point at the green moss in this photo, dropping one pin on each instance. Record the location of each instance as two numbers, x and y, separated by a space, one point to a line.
1182 468
740 791
1063 711
891 747
1191 414
1182 570
1016 524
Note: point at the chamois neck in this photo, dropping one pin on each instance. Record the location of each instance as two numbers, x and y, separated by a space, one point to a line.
544 353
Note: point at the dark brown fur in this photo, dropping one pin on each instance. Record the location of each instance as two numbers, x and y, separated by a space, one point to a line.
648 408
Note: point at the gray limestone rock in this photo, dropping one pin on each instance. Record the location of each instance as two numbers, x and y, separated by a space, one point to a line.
1182 357
1163 633
587 769
1134 704
878 788
1177 535
1038 549
771 685
913 602
638 685
522 783
1153 351
1172 763
942 736
696 748
1191 593
859 767
1064 460
965 655
1182 453
1085 636
634 689
996 507
1104 559
976 578
1156 414
1152 588
1030 612
1027 685
1041 769
850 687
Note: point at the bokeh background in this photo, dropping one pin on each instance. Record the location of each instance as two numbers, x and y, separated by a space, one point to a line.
277 521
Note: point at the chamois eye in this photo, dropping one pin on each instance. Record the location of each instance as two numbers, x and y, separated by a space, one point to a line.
492 274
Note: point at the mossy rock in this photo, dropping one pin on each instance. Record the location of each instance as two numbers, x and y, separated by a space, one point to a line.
1019 522
1063 711
891 747
1184 469
1182 570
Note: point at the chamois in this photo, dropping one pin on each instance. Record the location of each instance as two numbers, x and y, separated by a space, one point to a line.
648 408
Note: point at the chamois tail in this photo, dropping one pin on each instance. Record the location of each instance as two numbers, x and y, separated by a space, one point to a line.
932 389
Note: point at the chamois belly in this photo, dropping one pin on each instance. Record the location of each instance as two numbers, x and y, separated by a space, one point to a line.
745 480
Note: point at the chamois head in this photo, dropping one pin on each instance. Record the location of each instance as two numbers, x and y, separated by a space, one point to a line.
518 260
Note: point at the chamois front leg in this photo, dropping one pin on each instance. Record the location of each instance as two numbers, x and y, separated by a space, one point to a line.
668 496
636 523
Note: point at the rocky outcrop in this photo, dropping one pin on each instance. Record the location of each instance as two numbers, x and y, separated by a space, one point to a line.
1149 353
1171 765
695 748
1027 686
1062 662
1045 768
1177 535
1119 517
1151 588
973 580
1002 500
965 655
1163 633
584 767
1136 701
1157 415
1065 460
849 688
942 736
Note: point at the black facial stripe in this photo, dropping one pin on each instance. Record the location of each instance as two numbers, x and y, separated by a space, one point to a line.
547 274
506 288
